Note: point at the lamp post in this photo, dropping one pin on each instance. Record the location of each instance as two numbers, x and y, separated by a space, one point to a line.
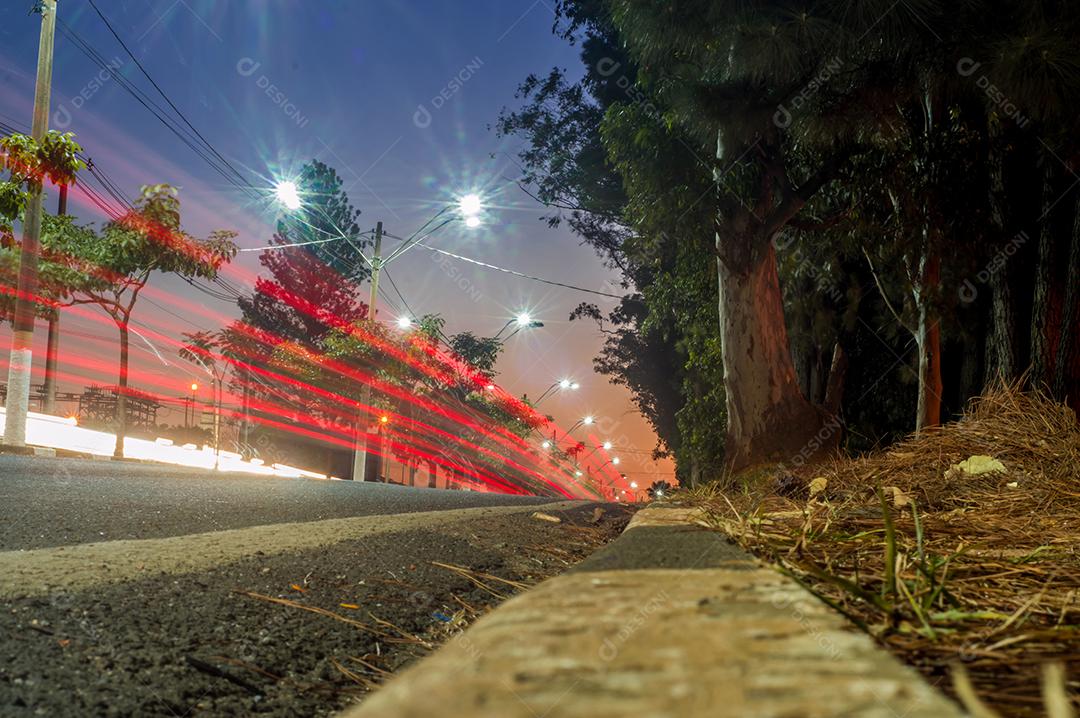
562 384
467 209
614 461
583 421
190 406
523 320
606 446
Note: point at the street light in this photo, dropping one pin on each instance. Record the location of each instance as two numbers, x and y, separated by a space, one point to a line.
404 322
190 406
470 205
583 421
466 209
562 384
606 446
523 320
288 195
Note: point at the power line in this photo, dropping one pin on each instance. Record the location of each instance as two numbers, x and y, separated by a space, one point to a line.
516 273
155 109
162 93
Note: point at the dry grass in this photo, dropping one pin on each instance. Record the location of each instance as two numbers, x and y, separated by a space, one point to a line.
944 568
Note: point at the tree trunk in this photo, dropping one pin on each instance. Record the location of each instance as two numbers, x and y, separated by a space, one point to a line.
121 392
768 418
1070 313
1000 347
928 339
52 348
1041 343
834 390
433 478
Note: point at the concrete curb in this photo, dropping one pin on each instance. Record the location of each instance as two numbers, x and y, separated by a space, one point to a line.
670 619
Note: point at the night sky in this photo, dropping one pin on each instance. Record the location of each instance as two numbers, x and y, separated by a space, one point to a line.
399 97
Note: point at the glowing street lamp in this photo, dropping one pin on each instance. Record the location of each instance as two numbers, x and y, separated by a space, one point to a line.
583 421
288 195
404 323
606 446
468 209
562 384
545 445
470 206
523 320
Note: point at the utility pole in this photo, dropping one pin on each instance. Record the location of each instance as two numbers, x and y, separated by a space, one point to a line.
22 339
52 346
360 452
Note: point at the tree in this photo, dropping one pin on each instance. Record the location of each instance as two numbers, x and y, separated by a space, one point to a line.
55 158
580 141
116 264
316 264
480 353
210 351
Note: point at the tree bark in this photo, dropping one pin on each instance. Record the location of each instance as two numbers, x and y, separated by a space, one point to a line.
834 389
121 392
768 416
1042 350
52 348
1070 313
1000 347
928 339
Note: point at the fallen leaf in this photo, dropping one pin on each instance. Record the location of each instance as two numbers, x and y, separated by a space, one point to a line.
818 485
296 587
64 642
596 514
349 605
976 465
899 498
546 517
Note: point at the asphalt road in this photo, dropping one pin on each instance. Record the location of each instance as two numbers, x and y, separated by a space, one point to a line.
130 589
58 502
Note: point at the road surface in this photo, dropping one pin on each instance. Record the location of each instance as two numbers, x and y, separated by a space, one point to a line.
128 589
58 502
